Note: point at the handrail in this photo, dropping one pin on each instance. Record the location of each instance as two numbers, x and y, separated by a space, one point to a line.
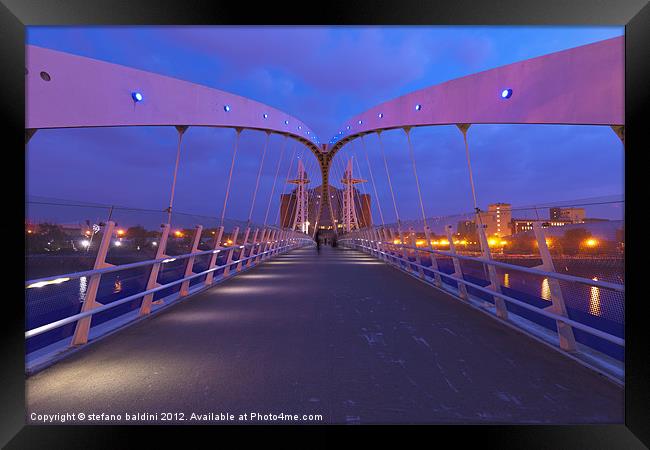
559 276
59 323
133 265
586 328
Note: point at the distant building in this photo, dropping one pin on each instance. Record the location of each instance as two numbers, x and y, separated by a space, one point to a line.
497 219
521 225
324 222
466 228
573 215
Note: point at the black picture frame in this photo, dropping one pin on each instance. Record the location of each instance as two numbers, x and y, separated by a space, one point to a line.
15 15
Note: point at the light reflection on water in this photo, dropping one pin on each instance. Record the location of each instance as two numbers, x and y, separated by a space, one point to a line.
83 286
546 290
594 299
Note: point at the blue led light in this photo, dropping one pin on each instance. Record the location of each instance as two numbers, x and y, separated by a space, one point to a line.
299 127
348 127
506 93
137 97
360 122
286 122
226 108
418 107
380 115
265 115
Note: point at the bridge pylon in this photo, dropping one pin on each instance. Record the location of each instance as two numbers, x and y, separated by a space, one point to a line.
350 220
301 219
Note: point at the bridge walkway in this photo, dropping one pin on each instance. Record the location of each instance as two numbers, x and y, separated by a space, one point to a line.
338 334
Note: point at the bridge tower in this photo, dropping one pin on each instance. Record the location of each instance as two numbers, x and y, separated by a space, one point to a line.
301 219
350 220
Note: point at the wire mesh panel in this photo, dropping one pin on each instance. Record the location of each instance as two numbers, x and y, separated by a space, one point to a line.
61 237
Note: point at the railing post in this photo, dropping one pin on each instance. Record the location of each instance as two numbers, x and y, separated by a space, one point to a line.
259 256
90 302
458 270
145 306
405 256
564 331
434 262
269 246
418 259
390 235
379 235
185 285
253 251
226 270
500 304
242 253
216 247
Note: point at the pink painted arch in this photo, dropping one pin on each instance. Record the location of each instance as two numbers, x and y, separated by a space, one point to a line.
70 91
582 86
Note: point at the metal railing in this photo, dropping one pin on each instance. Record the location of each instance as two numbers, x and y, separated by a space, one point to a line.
380 244
265 245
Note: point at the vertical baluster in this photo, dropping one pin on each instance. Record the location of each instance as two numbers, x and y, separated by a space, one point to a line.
90 302
564 330
145 306
189 265
458 270
216 247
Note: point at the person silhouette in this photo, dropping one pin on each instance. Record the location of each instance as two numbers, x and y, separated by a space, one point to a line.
317 239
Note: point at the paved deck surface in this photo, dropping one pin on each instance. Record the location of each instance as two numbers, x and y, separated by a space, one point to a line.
338 334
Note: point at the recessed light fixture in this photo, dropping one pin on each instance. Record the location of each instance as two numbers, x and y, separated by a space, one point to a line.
380 115
265 115
226 108
418 107
360 122
506 93
136 96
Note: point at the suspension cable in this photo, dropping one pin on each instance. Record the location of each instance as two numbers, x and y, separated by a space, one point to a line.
181 130
363 187
463 128
257 182
277 171
284 189
390 185
232 165
415 173
372 179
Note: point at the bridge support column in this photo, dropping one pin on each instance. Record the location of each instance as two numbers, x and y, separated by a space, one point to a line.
231 249
495 285
147 301
458 270
434 262
564 330
216 247
90 302
379 238
189 266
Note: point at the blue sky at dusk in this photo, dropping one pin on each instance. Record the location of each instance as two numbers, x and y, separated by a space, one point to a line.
323 76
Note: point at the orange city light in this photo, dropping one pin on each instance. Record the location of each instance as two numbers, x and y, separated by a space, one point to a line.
420 242
492 242
591 242
397 241
120 232
444 242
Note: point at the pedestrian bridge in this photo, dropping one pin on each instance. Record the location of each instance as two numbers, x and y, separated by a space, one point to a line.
352 339
402 322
